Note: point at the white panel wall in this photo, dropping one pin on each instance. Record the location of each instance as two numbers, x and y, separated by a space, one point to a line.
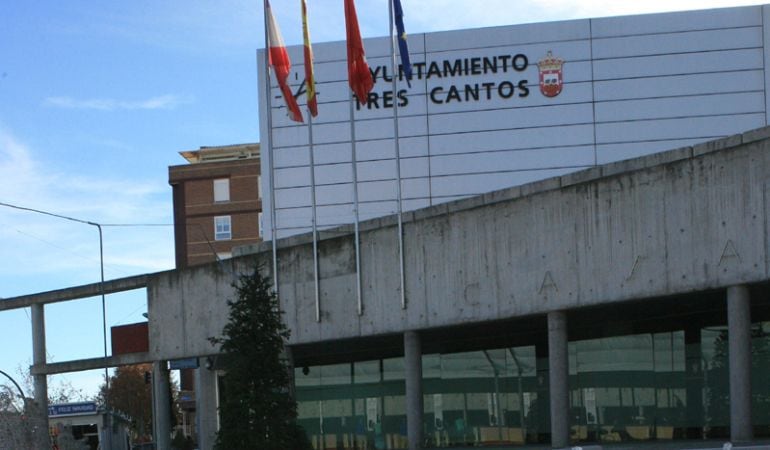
632 86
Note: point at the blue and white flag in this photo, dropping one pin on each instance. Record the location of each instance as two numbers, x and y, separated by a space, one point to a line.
403 49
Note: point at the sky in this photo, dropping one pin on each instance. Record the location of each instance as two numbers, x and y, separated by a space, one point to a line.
98 98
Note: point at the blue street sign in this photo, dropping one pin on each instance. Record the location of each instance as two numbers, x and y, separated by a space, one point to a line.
189 363
71 409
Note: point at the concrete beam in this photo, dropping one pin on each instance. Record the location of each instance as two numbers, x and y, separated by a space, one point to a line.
90 364
74 293
587 239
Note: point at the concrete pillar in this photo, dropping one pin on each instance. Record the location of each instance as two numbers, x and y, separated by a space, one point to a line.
558 378
413 372
40 409
106 432
206 404
162 405
739 338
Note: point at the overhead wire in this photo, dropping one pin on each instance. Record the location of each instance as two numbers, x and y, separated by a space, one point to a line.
73 219
61 216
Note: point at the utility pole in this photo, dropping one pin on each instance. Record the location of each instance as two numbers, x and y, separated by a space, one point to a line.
38 324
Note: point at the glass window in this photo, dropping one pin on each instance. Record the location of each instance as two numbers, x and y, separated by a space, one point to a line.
336 375
393 369
222 230
646 387
222 190
366 372
760 388
481 398
357 405
711 407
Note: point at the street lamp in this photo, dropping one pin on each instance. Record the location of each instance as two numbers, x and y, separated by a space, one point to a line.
21 392
27 411
101 270
107 435
104 305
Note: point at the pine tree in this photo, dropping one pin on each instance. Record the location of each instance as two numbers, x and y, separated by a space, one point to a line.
257 411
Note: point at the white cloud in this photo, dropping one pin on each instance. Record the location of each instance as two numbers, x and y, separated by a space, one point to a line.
229 26
13 154
65 253
433 15
41 253
16 166
167 101
327 18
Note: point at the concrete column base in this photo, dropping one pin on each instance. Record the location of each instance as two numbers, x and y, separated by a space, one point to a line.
584 447
731 446
744 446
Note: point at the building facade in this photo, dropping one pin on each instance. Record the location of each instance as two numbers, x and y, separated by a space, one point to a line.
217 206
217 202
498 107
486 110
623 305
614 290
85 426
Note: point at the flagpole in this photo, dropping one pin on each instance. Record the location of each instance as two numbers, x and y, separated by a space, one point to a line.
312 108
268 95
361 82
357 230
394 75
315 221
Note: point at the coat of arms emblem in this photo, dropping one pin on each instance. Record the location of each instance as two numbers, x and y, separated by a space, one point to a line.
551 75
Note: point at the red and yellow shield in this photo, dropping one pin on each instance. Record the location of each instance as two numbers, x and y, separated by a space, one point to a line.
551 75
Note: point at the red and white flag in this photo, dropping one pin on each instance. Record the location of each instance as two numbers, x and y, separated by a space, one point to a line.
359 76
279 60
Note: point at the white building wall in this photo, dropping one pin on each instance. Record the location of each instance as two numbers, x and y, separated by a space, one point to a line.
632 86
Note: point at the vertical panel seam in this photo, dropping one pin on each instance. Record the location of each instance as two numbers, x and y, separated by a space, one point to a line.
764 59
427 124
593 85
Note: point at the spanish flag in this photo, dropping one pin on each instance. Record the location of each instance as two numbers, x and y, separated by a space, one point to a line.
312 101
359 76
279 60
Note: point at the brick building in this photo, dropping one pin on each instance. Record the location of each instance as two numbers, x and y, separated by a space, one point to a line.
217 202
217 206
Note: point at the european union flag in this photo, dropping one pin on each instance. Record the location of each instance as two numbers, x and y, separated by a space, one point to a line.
403 49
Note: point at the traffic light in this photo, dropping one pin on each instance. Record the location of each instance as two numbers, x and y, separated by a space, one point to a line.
147 378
